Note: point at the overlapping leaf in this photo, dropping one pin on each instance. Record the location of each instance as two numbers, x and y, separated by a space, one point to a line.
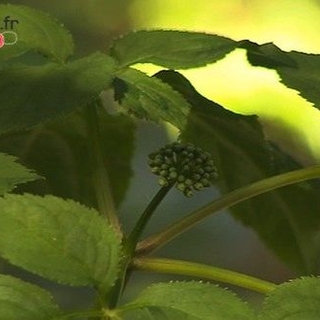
286 219
297 70
171 48
32 94
189 300
150 98
294 300
58 239
64 157
13 173
34 30
22 300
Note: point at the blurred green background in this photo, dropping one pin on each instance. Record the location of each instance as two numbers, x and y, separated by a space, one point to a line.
288 120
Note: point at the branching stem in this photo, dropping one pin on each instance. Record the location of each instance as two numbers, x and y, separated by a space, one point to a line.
131 242
145 217
169 233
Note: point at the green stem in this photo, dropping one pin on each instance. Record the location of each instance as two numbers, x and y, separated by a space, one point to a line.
100 175
145 217
203 271
130 245
156 241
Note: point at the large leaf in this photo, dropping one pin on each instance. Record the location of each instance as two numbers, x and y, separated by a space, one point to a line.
32 94
297 70
288 219
171 48
189 300
34 30
150 98
58 239
294 300
22 300
13 173
64 156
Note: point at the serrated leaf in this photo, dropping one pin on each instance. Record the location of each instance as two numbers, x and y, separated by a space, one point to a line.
22 300
33 94
13 173
305 77
190 300
294 300
171 48
35 30
150 98
242 156
267 55
58 239
297 70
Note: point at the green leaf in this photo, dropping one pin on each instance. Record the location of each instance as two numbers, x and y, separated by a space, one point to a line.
118 151
242 156
22 300
294 300
297 70
150 98
32 94
190 300
64 156
236 142
139 314
58 239
35 31
267 55
305 77
155 313
13 173
171 49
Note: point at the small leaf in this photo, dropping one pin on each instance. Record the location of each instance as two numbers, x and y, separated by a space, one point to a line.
171 49
190 300
58 239
32 94
22 300
36 31
294 300
150 98
13 173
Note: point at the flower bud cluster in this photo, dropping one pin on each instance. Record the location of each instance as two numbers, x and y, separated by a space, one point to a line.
185 165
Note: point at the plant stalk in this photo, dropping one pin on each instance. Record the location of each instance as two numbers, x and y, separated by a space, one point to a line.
203 271
100 175
144 218
131 242
172 231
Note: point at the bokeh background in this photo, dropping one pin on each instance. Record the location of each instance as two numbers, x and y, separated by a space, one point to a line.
288 120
